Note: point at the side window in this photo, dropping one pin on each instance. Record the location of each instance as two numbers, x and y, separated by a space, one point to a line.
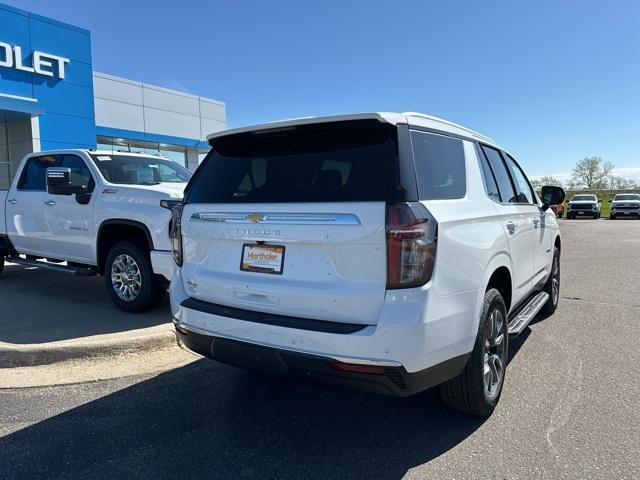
34 175
80 173
523 189
505 187
440 166
489 180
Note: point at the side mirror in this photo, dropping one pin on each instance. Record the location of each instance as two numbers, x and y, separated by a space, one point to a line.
551 195
59 182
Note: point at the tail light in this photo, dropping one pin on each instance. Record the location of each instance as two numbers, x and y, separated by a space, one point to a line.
176 233
412 235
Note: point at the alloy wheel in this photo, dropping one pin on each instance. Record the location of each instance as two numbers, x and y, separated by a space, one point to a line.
126 278
555 280
494 354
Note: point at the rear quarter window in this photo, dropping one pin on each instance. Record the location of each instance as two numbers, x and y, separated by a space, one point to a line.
440 166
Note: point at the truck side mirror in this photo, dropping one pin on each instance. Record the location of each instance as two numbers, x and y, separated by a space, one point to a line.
551 195
59 182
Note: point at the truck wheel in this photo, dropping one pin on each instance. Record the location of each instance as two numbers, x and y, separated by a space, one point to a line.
477 389
130 280
552 287
1 263
613 217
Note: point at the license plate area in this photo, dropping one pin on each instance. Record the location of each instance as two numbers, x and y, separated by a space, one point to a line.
260 258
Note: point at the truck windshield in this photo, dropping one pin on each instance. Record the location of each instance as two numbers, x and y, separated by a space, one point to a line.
139 170
583 198
626 197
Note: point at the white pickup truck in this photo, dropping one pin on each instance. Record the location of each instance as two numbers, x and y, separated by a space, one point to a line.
95 213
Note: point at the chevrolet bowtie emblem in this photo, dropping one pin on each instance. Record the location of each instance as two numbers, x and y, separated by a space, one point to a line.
255 217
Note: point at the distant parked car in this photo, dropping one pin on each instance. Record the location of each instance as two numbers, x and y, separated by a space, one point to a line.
584 205
625 205
558 210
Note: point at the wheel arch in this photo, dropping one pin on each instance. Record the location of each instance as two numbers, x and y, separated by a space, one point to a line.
113 231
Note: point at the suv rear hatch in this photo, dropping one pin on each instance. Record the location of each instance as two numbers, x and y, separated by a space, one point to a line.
292 220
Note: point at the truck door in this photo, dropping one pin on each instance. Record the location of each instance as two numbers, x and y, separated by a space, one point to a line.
68 219
24 213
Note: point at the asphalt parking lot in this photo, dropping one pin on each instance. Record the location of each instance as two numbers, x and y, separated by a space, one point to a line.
569 408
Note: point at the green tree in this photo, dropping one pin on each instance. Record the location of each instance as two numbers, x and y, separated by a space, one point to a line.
546 180
592 173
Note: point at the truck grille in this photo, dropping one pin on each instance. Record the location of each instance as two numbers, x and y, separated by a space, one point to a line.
627 207
581 207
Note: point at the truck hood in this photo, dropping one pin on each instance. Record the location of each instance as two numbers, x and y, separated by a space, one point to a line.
174 190
626 202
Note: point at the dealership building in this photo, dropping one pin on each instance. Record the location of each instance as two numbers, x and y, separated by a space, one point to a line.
51 98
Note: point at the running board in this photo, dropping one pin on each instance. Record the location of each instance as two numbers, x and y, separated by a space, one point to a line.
527 313
27 262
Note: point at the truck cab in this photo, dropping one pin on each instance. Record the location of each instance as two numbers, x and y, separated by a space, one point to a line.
91 212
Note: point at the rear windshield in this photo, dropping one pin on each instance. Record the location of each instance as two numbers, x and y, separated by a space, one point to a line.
329 162
134 170
626 197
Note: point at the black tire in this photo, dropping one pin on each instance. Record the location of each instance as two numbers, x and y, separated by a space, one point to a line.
554 297
136 276
467 392
1 263
613 217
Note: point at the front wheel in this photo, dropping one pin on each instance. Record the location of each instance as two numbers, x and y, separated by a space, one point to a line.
477 389
1 263
129 279
552 287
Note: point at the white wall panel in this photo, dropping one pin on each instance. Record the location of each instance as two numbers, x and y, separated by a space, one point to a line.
213 110
208 126
117 89
128 105
171 123
119 115
173 102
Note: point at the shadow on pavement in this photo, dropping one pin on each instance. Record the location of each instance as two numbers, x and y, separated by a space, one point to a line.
208 420
40 306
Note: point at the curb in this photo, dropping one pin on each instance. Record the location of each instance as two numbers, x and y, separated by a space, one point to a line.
109 345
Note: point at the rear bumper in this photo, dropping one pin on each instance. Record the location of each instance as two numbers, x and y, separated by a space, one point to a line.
389 379
162 263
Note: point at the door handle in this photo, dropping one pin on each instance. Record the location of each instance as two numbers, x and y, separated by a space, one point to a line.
511 226
49 203
12 201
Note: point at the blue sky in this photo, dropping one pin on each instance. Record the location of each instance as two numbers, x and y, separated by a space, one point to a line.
552 81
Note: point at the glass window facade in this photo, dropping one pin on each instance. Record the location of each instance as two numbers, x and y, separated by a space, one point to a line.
177 153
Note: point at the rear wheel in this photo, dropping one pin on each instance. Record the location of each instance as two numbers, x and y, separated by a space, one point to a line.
552 287
129 279
477 389
1 263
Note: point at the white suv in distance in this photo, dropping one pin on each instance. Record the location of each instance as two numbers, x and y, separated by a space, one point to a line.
625 205
383 252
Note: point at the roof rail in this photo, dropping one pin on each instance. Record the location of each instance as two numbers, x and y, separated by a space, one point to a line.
447 122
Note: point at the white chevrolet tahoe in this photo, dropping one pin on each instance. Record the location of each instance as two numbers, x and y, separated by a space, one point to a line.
384 252
88 212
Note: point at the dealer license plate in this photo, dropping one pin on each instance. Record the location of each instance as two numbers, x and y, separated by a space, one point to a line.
262 258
